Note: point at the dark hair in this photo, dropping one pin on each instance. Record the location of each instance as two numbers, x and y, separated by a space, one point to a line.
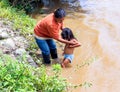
59 13
67 34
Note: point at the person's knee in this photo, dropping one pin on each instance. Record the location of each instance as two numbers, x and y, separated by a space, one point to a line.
46 52
66 61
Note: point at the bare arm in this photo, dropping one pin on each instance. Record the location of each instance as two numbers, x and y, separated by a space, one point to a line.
66 41
75 45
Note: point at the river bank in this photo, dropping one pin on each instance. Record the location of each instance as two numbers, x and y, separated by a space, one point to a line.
13 43
96 62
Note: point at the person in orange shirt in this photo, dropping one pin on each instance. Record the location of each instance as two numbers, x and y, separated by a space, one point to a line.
46 30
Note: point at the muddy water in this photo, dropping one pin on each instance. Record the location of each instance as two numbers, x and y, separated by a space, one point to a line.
97 62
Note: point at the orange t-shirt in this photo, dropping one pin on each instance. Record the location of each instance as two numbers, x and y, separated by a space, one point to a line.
48 28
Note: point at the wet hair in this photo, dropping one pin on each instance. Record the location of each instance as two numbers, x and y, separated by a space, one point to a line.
67 34
59 13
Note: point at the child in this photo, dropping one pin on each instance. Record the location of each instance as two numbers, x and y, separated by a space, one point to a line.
68 50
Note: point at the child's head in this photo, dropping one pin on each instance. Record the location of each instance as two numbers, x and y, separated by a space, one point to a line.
67 34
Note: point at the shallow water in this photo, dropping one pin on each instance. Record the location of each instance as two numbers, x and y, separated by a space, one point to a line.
97 61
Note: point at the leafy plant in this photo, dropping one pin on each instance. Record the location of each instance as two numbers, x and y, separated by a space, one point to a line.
20 77
21 21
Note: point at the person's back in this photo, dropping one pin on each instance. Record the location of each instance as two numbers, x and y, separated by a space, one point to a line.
69 49
47 27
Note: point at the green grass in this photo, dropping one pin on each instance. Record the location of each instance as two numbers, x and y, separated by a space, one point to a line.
20 77
20 20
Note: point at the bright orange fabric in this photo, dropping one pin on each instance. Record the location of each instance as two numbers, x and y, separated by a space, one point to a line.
47 27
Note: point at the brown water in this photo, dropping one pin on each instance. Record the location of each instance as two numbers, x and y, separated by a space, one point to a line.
97 61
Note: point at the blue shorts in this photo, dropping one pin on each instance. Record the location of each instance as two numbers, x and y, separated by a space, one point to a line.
69 56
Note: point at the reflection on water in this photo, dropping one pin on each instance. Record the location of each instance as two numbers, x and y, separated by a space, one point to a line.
96 26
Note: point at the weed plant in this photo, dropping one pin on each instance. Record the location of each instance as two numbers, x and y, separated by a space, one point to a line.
20 77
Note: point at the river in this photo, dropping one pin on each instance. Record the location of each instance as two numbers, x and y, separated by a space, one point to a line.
95 24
